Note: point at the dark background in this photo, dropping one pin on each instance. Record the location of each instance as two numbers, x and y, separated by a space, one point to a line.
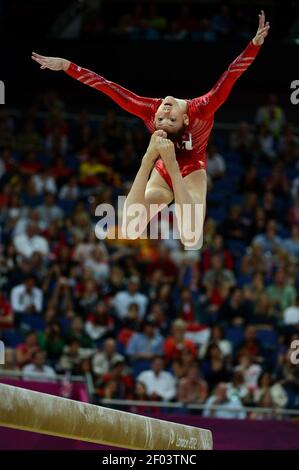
155 68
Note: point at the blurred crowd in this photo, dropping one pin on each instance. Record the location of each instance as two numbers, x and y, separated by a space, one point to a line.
150 23
146 319
209 22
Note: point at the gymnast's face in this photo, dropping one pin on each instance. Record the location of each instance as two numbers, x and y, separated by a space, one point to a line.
171 117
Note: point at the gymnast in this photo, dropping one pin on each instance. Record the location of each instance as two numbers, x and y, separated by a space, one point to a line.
174 167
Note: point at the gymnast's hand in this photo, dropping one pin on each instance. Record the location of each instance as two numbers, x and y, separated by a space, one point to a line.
51 63
262 30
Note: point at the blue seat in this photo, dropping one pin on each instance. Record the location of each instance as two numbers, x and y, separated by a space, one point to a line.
12 338
268 338
139 366
217 198
66 205
234 334
236 247
218 214
33 322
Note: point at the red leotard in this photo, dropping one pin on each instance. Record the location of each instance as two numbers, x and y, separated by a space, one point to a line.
191 149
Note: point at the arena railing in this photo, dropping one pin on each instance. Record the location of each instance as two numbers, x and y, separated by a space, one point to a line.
278 412
274 413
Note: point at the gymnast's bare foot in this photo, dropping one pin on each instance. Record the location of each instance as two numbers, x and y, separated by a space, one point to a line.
167 152
152 152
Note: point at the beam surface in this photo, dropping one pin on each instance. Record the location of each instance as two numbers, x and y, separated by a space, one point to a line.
47 414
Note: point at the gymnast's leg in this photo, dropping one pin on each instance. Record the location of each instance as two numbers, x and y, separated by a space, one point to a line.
189 195
148 195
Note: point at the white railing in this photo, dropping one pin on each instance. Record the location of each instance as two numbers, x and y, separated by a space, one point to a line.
15 374
202 407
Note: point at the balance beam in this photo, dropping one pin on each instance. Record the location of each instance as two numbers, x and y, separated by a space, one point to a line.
47 414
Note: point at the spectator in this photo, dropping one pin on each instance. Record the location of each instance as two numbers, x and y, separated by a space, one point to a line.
232 227
52 341
6 313
76 331
102 360
217 337
30 242
250 345
281 293
273 392
139 394
100 323
291 245
214 367
123 299
72 357
291 314
49 211
218 275
38 370
222 405
192 389
27 297
147 344
159 383
176 343
10 362
269 241
25 351
98 265
215 163
271 115
234 310
266 144
250 370
242 141
222 22
116 383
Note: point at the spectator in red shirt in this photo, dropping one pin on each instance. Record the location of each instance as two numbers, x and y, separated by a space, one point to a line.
117 383
176 343
26 350
6 313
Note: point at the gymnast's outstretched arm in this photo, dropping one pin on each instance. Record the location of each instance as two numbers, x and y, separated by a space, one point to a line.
205 106
140 106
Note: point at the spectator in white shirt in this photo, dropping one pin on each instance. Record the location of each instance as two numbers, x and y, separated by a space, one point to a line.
291 314
103 360
49 211
72 357
230 406
291 245
99 322
70 190
26 297
44 182
160 384
251 371
98 265
29 242
124 298
215 163
38 370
